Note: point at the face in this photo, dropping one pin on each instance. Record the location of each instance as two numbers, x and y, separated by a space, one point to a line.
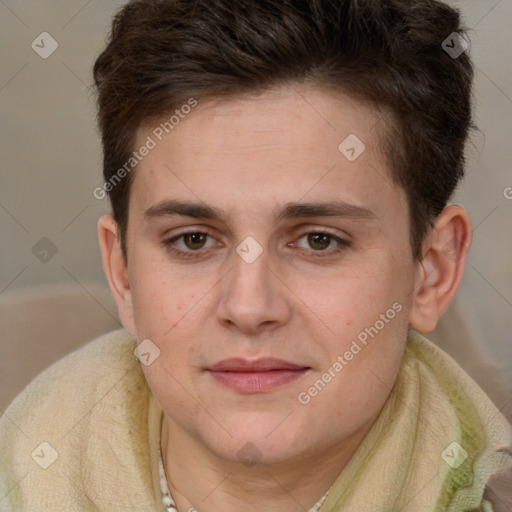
269 261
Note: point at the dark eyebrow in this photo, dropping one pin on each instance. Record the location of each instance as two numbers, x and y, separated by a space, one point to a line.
328 209
172 208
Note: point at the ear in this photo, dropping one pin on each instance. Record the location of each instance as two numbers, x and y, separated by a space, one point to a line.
441 269
115 268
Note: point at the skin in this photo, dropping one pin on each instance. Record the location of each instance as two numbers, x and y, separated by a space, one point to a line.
300 301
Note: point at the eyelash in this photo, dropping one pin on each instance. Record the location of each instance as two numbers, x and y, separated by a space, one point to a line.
342 245
168 243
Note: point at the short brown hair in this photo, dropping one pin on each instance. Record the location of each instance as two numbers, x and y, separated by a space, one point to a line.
163 52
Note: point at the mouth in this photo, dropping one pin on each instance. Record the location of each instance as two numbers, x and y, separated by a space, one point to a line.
260 376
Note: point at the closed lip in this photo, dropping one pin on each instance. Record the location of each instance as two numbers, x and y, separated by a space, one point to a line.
265 364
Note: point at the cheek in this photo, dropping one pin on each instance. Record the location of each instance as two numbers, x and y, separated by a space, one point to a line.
347 300
170 312
365 308
161 300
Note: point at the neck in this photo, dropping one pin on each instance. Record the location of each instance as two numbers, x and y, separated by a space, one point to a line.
201 481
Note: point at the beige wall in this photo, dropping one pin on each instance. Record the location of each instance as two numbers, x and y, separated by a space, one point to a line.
51 156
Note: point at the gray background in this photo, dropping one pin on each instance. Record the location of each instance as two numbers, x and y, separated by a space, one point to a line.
51 155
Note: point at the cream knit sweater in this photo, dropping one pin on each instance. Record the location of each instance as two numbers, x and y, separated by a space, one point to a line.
85 434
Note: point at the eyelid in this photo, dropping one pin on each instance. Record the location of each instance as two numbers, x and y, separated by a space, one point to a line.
342 243
168 243
189 230
182 235
337 234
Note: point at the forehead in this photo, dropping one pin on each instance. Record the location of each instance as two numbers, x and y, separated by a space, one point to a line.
299 115
275 147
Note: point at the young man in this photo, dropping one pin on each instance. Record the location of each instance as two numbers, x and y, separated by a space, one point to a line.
279 173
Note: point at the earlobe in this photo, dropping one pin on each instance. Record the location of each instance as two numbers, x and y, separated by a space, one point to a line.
115 268
441 270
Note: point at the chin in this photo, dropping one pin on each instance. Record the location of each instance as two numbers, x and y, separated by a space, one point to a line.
257 443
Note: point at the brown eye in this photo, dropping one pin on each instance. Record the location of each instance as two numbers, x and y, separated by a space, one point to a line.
319 241
195 241
194 244
320 244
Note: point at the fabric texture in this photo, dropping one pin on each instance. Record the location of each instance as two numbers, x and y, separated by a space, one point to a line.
85 434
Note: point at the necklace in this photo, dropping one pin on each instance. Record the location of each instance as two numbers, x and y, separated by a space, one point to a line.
170 506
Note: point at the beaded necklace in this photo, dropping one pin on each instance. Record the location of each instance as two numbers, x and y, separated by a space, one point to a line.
170 506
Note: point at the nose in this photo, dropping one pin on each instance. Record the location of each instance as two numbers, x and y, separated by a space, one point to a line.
253 297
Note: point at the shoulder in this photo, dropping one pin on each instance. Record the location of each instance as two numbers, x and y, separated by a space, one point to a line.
84 401
80 374
449 380
484 432
77 381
